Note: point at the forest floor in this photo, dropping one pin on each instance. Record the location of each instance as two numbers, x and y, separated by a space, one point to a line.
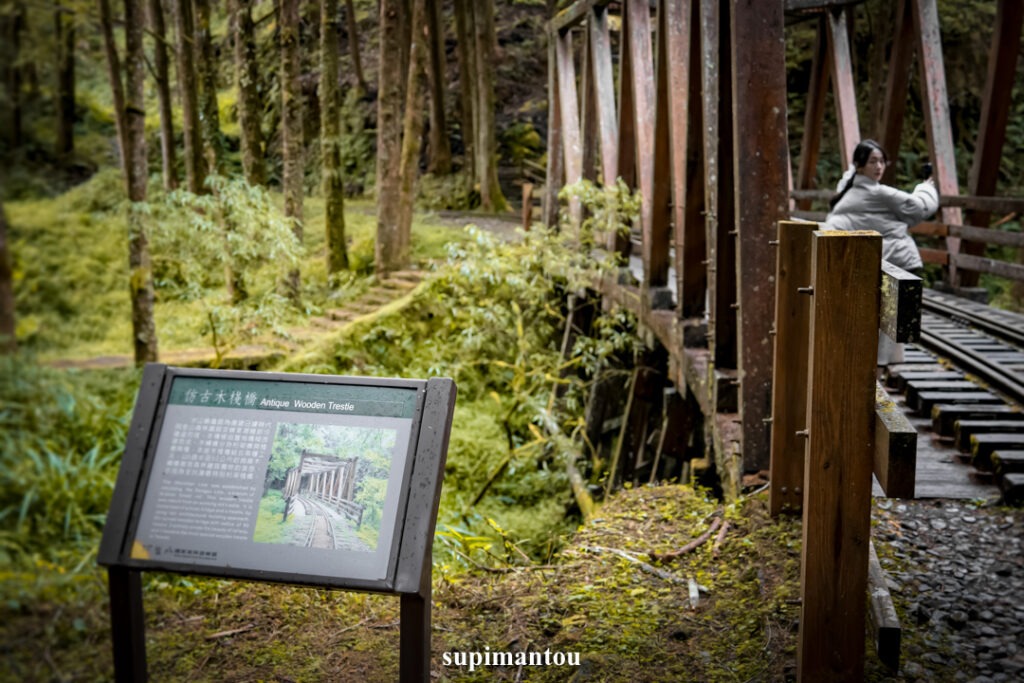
726 611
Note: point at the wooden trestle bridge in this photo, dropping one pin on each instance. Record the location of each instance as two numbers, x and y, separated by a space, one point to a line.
327 480
784 383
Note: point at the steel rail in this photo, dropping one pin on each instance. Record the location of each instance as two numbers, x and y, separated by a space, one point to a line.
983 323
976 363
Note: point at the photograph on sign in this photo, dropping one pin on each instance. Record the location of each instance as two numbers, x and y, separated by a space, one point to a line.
325 487
276 476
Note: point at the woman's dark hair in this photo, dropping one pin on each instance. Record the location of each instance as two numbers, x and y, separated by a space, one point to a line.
861 153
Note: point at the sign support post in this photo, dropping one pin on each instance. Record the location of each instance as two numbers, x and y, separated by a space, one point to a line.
128 624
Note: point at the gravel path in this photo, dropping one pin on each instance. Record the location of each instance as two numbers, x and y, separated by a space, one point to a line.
956 574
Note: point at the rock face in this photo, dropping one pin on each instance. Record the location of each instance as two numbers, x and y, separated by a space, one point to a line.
957 577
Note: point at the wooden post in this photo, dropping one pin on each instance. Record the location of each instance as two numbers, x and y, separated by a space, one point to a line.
837 478
527 206
789 384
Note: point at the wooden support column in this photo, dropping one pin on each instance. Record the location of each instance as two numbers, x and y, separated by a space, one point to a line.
995 110
789 385
841 68
604 83
554 171
837 478
680 108
897 83
936 117
588 113
627 142
665 199
568 107
720 219
655 245
814 115
761 156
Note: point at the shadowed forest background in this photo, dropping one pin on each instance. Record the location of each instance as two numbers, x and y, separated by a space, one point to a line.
249 183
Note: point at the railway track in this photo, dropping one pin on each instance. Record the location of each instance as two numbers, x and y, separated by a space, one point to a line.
966 379
321 531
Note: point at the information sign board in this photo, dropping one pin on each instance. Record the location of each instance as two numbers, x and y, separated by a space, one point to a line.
240 466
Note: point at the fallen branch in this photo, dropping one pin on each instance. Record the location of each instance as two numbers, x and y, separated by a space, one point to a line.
719 539
650 569
232 632
695 543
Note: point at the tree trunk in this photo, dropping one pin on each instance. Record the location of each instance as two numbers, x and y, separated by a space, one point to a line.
440 150
8 340
250 108
466 42
353 45
114 74
291 126
330 138
412 127
136 175
404 39
10 44
389 140
65 27
161 66
195 168
208 89
491 197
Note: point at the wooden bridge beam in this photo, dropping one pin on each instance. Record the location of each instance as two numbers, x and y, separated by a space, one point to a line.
896 86
936 114
604 84
720 217
814 115
761 158
568 107
995 110
841 68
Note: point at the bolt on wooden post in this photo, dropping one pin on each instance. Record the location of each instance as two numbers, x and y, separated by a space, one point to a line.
837 476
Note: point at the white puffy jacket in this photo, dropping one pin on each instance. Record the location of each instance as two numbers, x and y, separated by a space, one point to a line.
870 205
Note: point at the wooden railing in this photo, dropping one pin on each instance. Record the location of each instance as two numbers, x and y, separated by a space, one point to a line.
833 425
957 259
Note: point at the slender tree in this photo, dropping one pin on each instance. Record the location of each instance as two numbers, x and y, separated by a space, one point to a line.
8 340
291 125
114 75
330 137
250 109
64 25
207 68
195 168
389 140
465 39
440 150
491 197
161 68
353 44
412 125
133 152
